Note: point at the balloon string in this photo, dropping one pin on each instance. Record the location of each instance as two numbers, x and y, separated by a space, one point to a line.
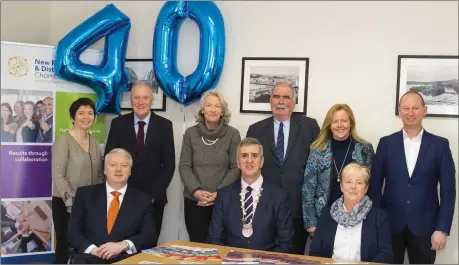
181 203
184 121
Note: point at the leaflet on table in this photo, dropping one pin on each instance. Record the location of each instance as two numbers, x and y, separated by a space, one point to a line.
236 257
186 253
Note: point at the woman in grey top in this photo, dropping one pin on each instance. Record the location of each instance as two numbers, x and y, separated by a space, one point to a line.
207 162
76 162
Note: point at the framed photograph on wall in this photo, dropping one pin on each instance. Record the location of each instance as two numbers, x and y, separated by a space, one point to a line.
259 75
142 70
435 78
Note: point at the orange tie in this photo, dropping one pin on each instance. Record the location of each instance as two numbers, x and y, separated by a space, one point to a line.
113 210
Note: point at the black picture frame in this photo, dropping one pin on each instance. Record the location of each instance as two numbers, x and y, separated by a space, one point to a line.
259 74
435 77
146 66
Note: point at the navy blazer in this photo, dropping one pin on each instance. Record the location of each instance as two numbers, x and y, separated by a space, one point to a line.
272 222
413 202
376 240
88 221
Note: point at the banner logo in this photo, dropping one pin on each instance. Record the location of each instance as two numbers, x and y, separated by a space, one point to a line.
18 66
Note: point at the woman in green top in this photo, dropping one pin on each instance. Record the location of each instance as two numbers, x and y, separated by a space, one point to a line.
207 162
76 162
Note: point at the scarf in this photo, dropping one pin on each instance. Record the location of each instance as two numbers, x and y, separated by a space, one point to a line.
358 213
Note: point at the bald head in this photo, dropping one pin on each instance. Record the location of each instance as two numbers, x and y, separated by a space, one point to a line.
413 93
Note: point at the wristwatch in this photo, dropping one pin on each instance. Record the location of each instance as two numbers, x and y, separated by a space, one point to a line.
127 246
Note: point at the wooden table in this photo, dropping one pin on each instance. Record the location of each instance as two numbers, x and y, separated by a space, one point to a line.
223 251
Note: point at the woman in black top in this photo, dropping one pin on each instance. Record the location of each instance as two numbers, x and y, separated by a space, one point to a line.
28 131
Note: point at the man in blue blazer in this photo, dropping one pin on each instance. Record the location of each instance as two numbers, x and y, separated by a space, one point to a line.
251 213
412 162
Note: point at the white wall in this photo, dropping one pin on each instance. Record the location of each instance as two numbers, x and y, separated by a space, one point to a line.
21 24
352 46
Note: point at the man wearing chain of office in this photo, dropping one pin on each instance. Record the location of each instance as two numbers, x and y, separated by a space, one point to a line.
251 213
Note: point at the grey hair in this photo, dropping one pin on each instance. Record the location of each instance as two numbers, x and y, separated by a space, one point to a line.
120 151
141 82
249 141
225 110
355 167
287 84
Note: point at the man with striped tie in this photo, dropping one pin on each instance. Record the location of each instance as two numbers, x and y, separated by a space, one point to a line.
251 213
286 138
111 221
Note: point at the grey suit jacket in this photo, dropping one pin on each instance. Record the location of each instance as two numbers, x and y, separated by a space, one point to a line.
289 176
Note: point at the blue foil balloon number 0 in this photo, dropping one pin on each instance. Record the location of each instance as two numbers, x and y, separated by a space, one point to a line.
207 16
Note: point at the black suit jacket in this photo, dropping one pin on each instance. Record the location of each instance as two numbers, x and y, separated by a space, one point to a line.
375 243
46 137
88 221
272 222
153 169
290 175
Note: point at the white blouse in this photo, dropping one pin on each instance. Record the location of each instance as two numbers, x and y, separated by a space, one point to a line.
347 242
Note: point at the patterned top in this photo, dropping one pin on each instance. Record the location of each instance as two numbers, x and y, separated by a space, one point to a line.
317 178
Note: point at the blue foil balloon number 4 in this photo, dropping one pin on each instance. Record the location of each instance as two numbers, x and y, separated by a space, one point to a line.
207 16
110 78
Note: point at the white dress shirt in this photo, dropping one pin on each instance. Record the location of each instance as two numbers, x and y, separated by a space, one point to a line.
145 127
110 198
412 147
347 242
286 132
256 191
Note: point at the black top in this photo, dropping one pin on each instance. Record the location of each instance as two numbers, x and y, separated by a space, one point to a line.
30 135
339 149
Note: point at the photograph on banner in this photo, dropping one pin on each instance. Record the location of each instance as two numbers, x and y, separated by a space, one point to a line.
26 226
26 171
26 116
63 120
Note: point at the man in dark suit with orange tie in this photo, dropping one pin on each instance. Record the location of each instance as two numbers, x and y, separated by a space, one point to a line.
149 139
252 213
111 221
412 162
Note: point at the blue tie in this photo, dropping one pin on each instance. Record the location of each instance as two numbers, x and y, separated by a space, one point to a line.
280 144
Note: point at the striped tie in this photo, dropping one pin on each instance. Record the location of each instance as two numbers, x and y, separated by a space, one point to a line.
280 144
248 205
